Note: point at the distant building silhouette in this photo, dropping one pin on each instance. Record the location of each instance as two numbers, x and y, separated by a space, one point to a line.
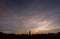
29 32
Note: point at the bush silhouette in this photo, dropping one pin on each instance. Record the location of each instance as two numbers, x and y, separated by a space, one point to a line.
33 36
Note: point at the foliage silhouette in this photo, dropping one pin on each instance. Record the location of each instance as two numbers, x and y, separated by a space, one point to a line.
33 36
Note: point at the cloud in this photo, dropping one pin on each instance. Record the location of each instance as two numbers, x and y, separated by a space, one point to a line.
29 15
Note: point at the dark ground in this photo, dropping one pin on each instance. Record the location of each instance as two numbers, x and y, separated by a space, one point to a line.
33 36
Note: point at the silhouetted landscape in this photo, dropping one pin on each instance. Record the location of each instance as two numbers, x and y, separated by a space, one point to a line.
29 19
27 36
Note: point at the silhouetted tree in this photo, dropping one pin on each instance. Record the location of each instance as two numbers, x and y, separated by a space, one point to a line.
33 36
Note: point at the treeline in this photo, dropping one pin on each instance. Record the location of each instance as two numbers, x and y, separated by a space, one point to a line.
33 36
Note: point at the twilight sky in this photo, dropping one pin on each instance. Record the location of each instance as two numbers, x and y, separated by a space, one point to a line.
20 16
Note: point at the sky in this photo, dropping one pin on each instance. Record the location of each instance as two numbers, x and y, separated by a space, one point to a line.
21 16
